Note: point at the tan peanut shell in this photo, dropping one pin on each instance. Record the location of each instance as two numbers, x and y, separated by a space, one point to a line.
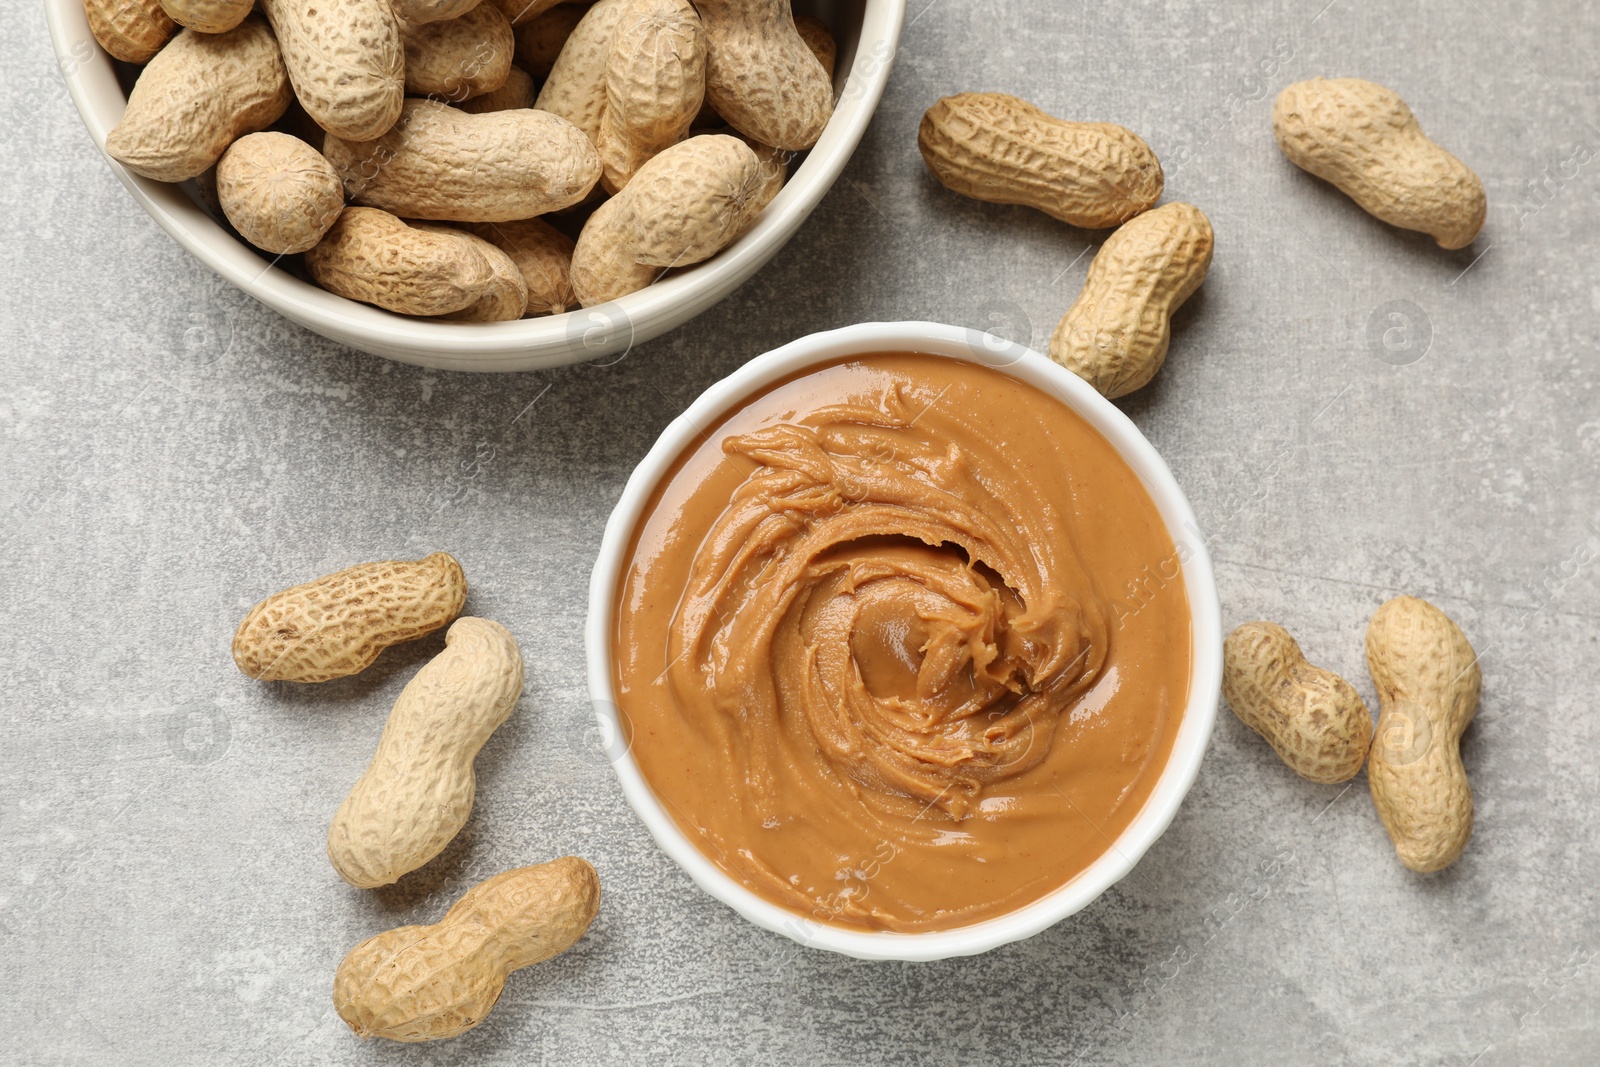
506 296
418 790
603 265
129 30
760 75
544 256
655 81
336 625
456 59
814 32
576 86
1116 333
998 148
208 16
200 93
521 12
421 12
278 192
1314 720
1428 680
423 983
518 91
540 39
444 164
345 60
372 256
1362 138
682 207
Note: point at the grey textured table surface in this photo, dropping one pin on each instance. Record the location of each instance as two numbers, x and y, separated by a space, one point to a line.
173 451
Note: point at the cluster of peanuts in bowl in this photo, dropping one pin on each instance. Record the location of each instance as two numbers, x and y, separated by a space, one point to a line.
473 160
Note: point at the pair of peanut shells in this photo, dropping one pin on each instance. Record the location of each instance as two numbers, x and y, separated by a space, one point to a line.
1428 681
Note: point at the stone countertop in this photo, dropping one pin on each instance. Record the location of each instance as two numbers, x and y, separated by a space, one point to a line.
174 451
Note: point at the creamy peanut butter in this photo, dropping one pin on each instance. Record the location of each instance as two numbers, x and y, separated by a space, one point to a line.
868 651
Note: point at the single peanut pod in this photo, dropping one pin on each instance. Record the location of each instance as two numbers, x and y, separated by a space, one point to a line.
336 625
372 256
576 86
1361 137
423 983
544 256
1003 150
517 92
129 30
1116 333
208 16
345 60
1314 720
278 192
418 790
814 32
655 80
684 206
1428 681
540 39
456 59
444 164
506 297
603 267
760 75
521 12
199 94
422 12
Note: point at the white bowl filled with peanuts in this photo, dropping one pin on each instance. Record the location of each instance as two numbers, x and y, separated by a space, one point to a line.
488 185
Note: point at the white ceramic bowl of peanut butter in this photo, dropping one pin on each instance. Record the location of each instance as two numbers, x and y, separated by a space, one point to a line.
1189 737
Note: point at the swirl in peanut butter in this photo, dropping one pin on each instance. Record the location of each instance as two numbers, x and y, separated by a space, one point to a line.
873 629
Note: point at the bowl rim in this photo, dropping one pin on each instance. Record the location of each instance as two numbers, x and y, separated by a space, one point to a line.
1199 715
526 344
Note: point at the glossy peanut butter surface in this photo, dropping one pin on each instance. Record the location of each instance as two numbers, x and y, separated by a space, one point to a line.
902 643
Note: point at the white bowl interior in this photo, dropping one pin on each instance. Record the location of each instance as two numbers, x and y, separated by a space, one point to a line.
868 32
1194 731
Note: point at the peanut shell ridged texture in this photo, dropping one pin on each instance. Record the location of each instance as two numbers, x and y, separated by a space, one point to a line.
1428 681
371 256
814 32
655 81
1314 719
1116 333
129 30
506 297
603 267
522 12
774 172
544 256
208 16
683 206
456 59
444 164
518 91
200 93
336 625
345 60
576 86
997 148
423 983
417 793
539 40
760 75
422 12
278 192
1363 139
